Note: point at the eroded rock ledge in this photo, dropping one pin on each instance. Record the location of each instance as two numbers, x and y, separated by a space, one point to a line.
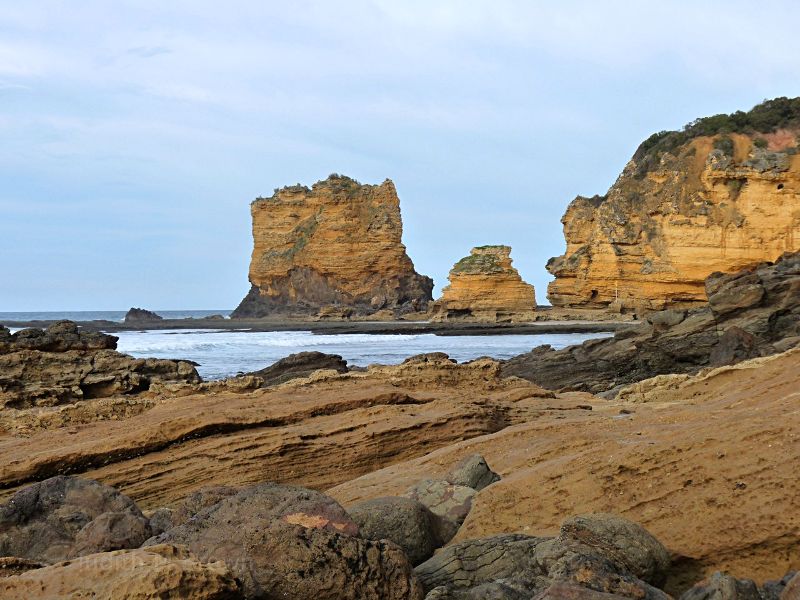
61 365
336 246
484 286
754 312
689 203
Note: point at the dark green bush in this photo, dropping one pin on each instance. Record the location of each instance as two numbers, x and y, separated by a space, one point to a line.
763 118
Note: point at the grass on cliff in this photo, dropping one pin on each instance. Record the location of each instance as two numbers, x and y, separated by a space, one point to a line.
763 118
478 263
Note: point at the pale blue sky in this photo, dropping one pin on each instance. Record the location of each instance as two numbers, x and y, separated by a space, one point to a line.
135 134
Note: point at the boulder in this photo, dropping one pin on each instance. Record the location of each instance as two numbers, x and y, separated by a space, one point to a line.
792 589
721 586
628 545
285 541
472 471
474 563
64 517
450 502
157 573
164 519
135 316
406 522
570 591
301 364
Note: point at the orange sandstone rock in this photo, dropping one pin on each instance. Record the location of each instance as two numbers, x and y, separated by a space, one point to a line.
485 287
711 203
337 244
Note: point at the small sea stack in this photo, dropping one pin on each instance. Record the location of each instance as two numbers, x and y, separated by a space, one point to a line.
484 286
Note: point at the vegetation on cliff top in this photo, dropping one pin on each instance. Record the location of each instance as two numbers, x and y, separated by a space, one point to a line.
763 118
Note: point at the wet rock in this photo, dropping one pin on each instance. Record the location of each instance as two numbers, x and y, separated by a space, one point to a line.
406 522
162 572
293 542
64 517
474 472
301 364
721 586
140 315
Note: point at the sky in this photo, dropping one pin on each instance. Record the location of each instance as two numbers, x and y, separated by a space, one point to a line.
134 135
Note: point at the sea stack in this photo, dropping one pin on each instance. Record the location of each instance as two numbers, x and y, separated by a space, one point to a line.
720 195
335 246
485 287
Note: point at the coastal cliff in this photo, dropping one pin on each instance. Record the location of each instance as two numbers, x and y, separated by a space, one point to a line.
337 245
720 195
485 287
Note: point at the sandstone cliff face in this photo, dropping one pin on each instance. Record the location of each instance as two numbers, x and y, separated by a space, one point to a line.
485 287
336 244
703 203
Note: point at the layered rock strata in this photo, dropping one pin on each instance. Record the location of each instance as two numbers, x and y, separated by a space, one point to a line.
485 287
754 312
62 364
689 203
336 245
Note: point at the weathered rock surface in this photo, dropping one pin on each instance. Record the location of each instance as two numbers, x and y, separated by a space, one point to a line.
485 287
474 472
705 463
62 365
141 315
406 522
604 553
721 586
336 244
448 502
688 204
64 517
156 573
301 364
283 541
792 589
751 313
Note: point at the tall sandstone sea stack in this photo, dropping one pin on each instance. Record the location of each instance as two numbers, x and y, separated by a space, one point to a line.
485 287
721 194
337 244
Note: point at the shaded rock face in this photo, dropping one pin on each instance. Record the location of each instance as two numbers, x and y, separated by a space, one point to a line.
601 553
164 572
301 364
751 313
61 364
485 287
284 541
336 244
64 517
141 315
712 203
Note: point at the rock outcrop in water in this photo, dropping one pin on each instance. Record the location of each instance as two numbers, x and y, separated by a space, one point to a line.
754 312
485 287
62 364
141 315
336 245
689 203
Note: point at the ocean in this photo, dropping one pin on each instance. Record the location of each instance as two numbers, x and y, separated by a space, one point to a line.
222 353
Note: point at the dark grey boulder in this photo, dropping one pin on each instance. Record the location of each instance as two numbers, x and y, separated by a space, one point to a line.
472 471
64 517
289 542
404 521
721 586
301 364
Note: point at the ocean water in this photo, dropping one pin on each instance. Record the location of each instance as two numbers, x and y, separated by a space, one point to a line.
104 315
225 353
